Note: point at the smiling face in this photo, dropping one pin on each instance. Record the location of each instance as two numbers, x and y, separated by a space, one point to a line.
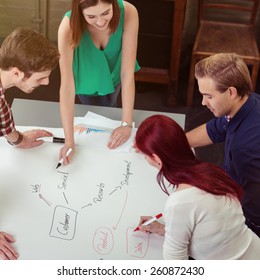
99 16
37 79
218 103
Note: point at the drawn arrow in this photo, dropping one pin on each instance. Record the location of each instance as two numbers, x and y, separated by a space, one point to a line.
44 199
115 226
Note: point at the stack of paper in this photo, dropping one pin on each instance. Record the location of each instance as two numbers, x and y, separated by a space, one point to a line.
96 124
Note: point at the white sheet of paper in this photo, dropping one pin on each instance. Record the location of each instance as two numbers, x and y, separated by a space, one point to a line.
85 210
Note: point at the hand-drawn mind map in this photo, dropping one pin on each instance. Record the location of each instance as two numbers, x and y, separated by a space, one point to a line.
64 220
97 200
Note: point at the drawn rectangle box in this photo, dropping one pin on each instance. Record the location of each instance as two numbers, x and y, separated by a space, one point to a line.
63 223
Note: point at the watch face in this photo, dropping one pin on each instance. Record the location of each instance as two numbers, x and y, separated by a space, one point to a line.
125 124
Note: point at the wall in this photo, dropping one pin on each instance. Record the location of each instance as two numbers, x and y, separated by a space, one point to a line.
57 8
42 15
10 15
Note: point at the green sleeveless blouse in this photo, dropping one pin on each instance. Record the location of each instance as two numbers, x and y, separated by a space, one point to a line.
97 72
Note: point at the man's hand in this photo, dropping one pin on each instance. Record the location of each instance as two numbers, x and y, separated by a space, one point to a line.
30 138
7 252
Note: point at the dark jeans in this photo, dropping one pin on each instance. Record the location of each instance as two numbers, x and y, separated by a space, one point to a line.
109 100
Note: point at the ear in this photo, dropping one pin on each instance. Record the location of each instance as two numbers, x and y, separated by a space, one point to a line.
17 75
232 92
156 160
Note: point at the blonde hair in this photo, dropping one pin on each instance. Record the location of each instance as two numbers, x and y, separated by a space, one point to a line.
226 70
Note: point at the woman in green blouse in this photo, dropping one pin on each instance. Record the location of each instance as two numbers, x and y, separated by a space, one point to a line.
97 41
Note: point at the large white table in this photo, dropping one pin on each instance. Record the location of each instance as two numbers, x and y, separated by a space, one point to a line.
47 114
86 210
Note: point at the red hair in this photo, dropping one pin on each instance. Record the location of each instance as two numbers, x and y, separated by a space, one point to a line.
78 23
162 136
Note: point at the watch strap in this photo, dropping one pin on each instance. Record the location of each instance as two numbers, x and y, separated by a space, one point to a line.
18 141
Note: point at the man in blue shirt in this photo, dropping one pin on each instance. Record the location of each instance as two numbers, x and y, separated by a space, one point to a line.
225 84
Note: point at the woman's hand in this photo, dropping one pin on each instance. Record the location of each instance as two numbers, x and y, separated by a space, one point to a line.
154 227
63 152
119 136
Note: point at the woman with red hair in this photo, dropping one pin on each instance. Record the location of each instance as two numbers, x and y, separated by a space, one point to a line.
203 215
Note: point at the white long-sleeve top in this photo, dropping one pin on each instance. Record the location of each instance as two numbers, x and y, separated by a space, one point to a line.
207 227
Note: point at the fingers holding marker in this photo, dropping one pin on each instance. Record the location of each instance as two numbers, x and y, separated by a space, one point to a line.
69 151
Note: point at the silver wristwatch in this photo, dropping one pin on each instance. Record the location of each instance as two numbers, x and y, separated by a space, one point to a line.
126 124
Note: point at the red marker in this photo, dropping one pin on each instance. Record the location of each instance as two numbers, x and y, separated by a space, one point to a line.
148 222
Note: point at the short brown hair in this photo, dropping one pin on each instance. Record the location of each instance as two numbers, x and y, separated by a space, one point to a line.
78 23
226 70
29 51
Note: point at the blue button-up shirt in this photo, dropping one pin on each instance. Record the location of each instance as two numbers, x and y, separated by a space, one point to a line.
242 152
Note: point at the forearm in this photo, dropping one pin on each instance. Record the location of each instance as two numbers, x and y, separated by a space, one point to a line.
129 50
198 137
128 98
67 101
67 88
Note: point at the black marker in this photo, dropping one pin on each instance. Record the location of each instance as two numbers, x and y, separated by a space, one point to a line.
53 139
61 161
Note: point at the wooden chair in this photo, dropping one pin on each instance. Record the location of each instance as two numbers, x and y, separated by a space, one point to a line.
225 27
